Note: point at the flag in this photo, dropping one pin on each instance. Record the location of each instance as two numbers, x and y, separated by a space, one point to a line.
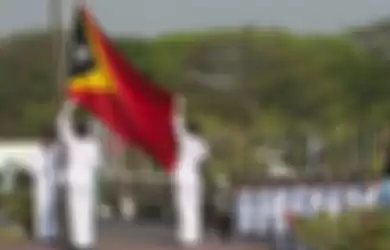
110 88
90 85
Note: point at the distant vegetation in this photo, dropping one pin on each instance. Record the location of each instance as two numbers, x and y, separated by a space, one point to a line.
247 88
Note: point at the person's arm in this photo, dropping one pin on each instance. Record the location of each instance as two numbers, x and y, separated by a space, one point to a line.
99 158
207 150
179 119
64 122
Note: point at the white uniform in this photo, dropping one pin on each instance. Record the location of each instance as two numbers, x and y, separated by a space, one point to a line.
243 211
188 184
83 159
43 169
279 211
262 212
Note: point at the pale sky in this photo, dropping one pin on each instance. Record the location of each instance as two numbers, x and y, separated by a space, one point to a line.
152 17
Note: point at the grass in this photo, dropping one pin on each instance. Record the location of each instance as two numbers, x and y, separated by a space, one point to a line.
11 235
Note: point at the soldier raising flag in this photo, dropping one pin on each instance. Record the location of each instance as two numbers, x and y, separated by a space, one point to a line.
112 90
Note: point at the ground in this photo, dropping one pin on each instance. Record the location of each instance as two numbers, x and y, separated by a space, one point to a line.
123 236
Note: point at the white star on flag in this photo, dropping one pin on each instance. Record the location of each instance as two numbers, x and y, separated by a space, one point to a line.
82 54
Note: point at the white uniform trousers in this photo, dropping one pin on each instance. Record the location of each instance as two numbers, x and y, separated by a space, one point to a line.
188 199
82 203
45 217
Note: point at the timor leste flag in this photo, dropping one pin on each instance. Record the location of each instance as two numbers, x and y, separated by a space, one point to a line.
113 90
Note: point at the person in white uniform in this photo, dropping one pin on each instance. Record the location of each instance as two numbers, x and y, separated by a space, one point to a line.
187 181
47 227
42 167
83 158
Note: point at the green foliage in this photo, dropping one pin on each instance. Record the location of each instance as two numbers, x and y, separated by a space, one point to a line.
18 204
274 84
27 90
11 235
360 230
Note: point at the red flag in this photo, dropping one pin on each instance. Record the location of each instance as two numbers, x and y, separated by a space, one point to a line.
135 108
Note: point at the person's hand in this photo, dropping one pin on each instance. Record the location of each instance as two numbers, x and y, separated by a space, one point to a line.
65 113
182 104
67 109
69 105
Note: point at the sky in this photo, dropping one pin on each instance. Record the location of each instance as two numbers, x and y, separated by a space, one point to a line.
154 17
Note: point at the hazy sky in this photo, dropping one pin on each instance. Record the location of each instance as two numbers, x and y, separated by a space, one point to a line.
151 17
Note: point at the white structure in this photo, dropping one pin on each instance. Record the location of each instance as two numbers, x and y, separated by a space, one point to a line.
15 150
11 154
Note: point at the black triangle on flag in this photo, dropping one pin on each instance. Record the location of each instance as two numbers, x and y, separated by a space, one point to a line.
79 51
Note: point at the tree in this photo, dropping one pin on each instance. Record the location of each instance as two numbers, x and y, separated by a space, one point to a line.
263 86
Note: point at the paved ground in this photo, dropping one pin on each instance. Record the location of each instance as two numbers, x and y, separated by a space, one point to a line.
123 236
118 246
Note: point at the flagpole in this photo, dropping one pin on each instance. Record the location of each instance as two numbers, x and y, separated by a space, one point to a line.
55 25
55 22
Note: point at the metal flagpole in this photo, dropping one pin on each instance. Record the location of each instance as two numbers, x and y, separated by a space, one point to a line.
55 18
55 26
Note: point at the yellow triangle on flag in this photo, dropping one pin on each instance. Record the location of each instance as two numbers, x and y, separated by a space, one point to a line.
94 81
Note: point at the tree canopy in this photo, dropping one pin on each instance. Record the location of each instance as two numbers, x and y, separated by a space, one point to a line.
263 80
